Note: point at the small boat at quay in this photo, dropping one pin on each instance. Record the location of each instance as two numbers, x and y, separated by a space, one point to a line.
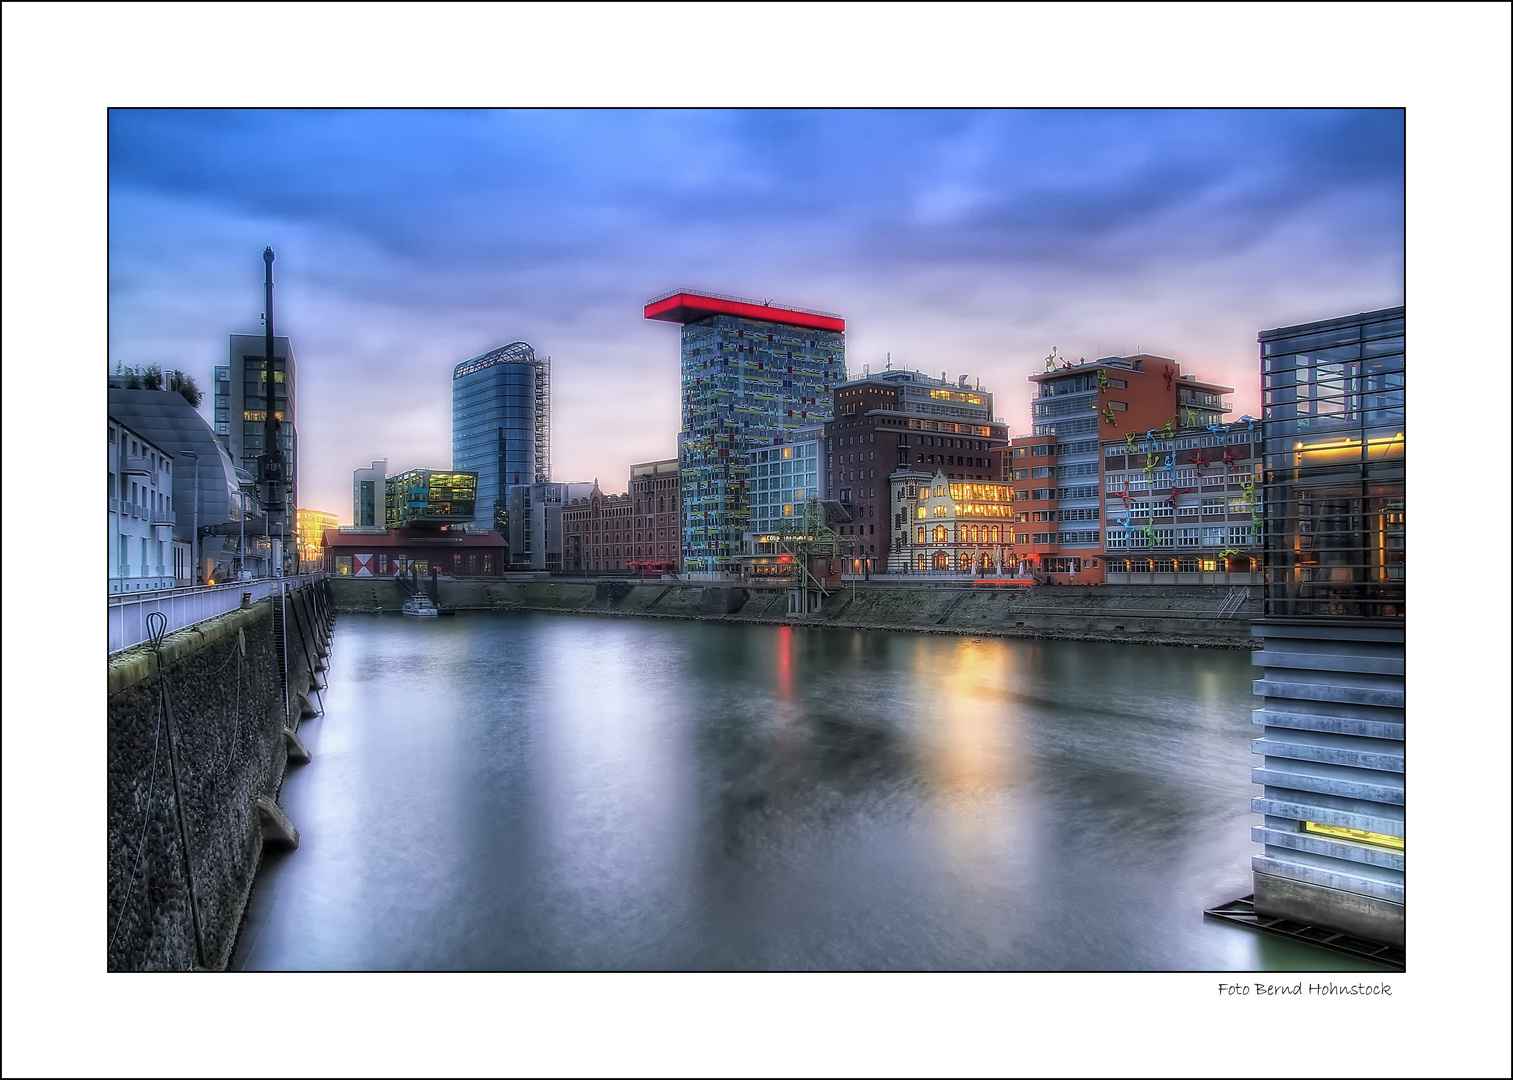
420 605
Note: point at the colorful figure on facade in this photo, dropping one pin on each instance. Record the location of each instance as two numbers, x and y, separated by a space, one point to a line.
1102 381
1129 442
1050 360
1109 417
1169 374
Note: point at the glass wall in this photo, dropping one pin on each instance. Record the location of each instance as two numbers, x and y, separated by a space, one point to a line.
1334 426
496 423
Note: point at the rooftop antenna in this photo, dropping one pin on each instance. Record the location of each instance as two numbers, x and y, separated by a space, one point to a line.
889 367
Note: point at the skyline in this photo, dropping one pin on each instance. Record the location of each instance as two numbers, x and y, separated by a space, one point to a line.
970 241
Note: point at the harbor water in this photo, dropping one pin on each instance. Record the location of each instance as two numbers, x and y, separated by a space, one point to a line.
526 791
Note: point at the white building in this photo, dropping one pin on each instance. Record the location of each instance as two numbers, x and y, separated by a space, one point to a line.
142 550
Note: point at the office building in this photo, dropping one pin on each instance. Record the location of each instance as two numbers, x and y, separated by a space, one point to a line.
783 479
1057 470
430 499
1179 509
752 374
654 491
368 495
896 420
310 537
142 551
533 522
240 406
502 424
1331 686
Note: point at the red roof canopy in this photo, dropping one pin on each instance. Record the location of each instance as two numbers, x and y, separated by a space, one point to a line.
687 307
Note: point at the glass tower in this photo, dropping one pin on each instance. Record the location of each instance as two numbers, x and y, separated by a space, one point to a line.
752 375
501 423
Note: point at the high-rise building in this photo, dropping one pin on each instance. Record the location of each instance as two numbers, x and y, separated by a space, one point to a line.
902 420
1331 685
240 406
753 373
782 480
368 495
1057 471
502 424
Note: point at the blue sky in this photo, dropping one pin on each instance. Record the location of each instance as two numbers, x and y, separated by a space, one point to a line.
960 241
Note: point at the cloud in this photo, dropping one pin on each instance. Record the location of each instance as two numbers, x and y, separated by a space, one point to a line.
965 240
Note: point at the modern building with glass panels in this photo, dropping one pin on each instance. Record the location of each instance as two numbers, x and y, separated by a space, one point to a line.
782 479
753 374
425 498
1331 686
501 423
240 406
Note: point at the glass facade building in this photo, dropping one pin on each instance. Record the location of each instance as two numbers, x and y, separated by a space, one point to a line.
240 405
753 374
1331 692
1333 418
501 424
782 479
424 498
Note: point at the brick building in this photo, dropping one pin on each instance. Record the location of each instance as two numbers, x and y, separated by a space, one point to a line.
894 420
1057 471
655 522
597 533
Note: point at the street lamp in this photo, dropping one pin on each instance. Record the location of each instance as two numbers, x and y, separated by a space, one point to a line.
195 547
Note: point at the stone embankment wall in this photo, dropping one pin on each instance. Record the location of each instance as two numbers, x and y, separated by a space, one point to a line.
1162 615
199 732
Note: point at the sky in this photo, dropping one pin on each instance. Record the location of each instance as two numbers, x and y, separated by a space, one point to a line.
959 241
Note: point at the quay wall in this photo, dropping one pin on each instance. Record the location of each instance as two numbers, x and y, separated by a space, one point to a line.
199 733
1158 614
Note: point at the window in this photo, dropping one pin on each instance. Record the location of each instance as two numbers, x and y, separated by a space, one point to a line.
1213 507
1213 537
1118 566
1187 564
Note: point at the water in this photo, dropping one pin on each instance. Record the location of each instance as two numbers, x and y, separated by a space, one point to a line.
504 791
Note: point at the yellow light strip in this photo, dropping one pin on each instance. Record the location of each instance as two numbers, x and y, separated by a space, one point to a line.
1358 835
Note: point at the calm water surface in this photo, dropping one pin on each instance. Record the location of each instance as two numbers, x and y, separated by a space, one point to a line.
528 791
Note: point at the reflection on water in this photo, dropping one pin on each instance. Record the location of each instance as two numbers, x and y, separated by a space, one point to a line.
523 791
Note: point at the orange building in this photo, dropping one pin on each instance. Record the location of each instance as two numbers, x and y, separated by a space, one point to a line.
1057 471
310 534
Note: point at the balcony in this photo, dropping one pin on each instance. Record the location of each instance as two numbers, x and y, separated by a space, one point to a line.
136 465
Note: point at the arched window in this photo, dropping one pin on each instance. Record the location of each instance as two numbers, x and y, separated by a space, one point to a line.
985 561
942 561
995 534
920 537
964 561
940 534
921 562
976 534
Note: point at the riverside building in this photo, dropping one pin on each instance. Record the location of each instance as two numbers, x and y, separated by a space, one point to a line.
960 526
368 495
532 524
1331 693
1057 470
752 374
143 554
502 424
909 424
597 531
654 489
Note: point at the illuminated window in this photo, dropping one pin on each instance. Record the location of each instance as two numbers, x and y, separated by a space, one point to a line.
940 534
920 536
920 513
1360 836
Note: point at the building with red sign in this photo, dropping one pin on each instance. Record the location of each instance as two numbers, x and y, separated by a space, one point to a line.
753 373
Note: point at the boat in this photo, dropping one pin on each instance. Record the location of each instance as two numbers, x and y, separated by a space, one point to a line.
420 605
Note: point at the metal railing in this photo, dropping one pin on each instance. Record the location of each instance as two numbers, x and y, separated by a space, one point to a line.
185 607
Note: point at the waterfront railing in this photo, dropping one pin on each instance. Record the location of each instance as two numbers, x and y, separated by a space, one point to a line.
185 607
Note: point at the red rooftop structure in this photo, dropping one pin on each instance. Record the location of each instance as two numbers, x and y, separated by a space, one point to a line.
684 306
